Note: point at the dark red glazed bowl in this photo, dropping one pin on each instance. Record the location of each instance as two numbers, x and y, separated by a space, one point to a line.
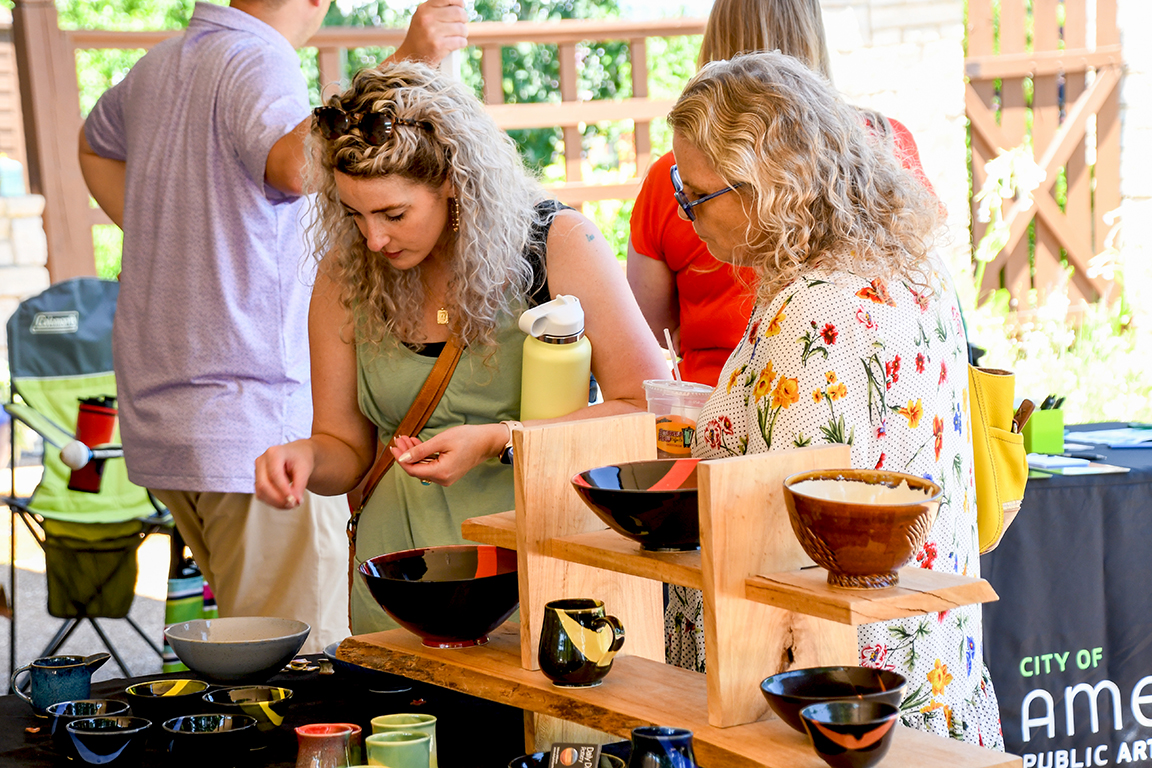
654 503
451 597
789 692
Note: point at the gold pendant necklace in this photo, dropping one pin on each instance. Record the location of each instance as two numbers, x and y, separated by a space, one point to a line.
442 316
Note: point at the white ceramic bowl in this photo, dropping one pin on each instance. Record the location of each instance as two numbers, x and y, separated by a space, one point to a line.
237 649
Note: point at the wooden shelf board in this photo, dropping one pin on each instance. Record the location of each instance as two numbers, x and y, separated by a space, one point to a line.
498 529
609 550
637 692
918 592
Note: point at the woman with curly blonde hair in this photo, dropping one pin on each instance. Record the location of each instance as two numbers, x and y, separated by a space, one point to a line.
431 230
855 338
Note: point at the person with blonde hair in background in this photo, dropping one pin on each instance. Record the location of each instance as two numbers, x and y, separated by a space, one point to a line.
679 285
431 230
855 338
198 155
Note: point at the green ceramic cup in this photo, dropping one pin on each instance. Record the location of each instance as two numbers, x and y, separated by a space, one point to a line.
400 749
412 723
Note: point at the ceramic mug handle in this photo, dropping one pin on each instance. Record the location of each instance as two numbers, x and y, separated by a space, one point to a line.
16 687
612 624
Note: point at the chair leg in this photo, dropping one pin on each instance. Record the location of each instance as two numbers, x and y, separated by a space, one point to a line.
144 636
61 637
111 649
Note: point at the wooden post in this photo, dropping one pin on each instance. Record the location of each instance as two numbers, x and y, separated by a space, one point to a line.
641 130
492 72
546 508
745 531
980 43
46 64
1017 276
1045 121
573 139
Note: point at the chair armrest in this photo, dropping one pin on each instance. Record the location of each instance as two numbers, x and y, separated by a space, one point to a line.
52 432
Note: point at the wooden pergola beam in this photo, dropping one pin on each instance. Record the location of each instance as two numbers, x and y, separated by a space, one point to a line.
50 98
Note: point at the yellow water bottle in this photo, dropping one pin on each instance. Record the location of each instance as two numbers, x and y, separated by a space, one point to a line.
557 359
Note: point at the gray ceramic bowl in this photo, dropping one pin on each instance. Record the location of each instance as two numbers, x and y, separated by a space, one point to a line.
237 649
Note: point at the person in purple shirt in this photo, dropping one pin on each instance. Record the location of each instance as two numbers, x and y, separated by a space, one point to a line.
198 154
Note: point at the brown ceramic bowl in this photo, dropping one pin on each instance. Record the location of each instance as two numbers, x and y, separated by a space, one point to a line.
861 524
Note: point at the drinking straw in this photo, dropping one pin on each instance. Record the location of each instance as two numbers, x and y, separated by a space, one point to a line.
672 352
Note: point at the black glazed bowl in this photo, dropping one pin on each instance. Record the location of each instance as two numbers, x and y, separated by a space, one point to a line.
789 692
266 704
108 741
851 734
375 680
653 502
451 596
216 740
160 700
64 712
614 755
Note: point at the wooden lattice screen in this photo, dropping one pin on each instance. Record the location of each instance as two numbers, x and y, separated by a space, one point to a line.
1044 43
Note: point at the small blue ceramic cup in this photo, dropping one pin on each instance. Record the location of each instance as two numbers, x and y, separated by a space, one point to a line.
54 679
659 747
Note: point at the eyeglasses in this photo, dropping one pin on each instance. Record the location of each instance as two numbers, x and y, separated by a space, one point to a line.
374 127
687 205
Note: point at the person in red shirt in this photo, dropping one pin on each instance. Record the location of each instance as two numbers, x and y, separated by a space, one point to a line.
678 284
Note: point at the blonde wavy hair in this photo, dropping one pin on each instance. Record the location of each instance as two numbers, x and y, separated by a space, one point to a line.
794 27
818 182
455 140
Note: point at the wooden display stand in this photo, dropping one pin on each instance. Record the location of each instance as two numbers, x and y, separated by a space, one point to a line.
767 608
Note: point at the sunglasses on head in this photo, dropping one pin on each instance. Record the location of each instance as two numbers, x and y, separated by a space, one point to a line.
687 205
374 127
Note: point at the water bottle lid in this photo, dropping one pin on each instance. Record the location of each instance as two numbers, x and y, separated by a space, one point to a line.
560 318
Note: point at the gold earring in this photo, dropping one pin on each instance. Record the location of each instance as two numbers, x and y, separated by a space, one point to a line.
454 214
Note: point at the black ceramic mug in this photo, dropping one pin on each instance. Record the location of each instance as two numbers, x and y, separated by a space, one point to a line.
578 642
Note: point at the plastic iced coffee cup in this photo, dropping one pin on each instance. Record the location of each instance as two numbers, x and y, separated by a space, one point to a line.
676 405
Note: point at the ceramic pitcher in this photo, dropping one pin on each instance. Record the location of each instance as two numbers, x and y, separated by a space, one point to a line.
57 678
659 747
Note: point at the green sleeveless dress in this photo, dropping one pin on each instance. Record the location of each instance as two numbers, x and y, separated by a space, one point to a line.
402 513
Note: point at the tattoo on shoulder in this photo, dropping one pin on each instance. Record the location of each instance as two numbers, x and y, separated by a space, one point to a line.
590 237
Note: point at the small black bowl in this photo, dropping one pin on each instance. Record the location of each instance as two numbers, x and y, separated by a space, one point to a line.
789 692
64 712
375 680
108 741
266 704
451 596
851 734
217 740
654 503
614 755
160 700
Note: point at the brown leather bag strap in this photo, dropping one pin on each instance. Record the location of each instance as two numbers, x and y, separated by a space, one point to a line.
414 420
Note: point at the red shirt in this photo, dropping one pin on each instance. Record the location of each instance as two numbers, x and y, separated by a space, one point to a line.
715 298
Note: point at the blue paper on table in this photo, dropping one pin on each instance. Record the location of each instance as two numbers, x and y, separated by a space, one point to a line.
1125 437
1045 461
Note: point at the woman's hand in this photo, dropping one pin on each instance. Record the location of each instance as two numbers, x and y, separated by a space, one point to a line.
449 456
282 473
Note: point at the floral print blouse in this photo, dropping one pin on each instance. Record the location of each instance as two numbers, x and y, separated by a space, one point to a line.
882 367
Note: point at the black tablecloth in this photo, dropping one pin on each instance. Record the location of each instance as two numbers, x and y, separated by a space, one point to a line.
1074 620
471 732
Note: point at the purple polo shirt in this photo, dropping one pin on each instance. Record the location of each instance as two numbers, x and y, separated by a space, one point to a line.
210 342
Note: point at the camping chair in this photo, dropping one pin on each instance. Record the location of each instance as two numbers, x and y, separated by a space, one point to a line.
60 351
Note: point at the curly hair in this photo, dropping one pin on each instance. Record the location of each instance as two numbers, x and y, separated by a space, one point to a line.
453 139
819 184
794 27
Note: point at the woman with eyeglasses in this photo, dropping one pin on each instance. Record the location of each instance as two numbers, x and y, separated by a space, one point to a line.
431 230
855 337
679 285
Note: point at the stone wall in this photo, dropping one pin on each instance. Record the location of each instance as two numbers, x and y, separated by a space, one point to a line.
23 256
905 58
